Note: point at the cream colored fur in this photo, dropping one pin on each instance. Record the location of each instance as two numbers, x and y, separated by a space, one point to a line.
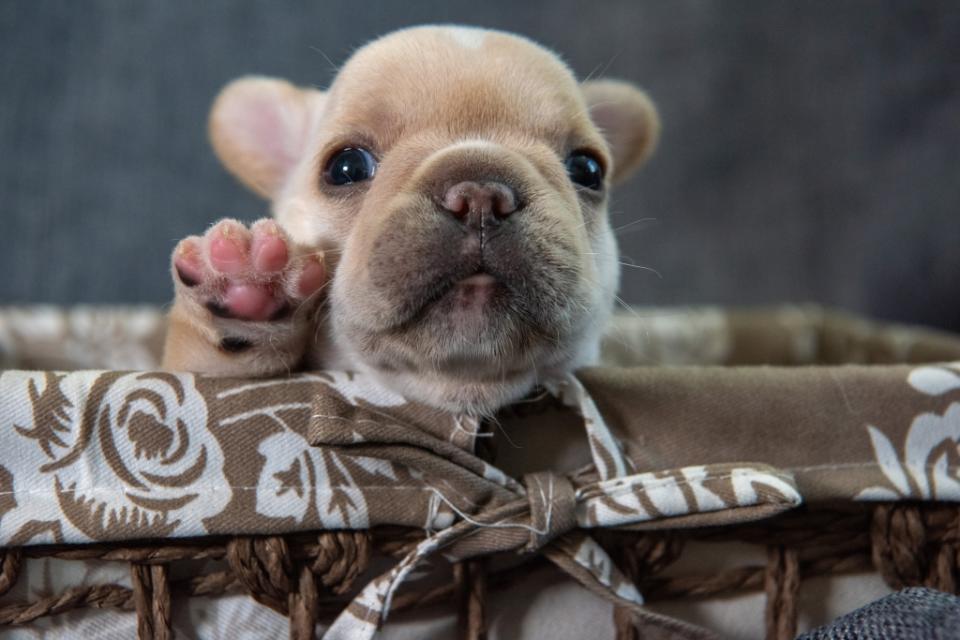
433 104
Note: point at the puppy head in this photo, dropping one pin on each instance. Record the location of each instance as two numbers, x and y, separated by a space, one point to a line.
460 179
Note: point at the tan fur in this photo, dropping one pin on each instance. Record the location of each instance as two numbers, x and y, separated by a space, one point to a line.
613 106
436 106
240 108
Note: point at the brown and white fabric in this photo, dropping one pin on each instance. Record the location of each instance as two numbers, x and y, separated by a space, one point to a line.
107 455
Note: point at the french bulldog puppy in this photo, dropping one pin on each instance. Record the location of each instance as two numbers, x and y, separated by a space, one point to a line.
439 221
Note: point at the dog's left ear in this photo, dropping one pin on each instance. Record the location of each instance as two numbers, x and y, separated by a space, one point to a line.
628 121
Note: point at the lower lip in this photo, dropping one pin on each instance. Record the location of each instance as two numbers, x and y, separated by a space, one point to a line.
474 293
479 280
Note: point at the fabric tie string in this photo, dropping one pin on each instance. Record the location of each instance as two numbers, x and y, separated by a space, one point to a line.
552 503
487 512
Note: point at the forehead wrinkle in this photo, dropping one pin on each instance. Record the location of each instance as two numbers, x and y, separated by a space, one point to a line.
463 110
417 83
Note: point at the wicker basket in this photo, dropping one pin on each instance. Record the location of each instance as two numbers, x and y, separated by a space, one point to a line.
826 441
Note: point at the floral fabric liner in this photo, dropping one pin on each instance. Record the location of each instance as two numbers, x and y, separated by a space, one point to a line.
112 455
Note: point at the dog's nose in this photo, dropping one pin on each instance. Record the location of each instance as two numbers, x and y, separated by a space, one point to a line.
479 202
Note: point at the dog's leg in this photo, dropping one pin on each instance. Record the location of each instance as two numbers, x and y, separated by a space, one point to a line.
245 301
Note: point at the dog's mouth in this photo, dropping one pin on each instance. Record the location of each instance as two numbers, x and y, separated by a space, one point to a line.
475 294
481 279
444 299
467 296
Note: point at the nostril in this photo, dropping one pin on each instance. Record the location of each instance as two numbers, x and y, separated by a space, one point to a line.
456 202
480 199
504 200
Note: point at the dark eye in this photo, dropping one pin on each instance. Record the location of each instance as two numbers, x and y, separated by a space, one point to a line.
585 170
350 165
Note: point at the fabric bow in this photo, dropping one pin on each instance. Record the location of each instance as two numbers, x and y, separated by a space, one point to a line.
485 511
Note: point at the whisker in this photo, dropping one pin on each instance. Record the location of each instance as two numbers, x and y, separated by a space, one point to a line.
333 67
606 67
634 223
642 268
602 70
592 72
632 264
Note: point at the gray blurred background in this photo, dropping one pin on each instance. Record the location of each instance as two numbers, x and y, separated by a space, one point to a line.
811 150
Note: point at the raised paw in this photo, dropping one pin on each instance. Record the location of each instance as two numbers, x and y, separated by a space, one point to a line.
250 274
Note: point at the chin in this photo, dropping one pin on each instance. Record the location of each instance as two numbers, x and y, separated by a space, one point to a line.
470 351
458 395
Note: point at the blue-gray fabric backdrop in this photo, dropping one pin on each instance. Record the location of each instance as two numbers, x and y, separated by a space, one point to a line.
811 150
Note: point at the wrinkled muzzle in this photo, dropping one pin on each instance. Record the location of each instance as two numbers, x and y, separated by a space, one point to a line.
478 268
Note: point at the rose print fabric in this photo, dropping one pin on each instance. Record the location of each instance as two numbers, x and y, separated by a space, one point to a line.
103 455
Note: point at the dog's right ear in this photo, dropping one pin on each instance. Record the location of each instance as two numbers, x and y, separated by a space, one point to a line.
259 128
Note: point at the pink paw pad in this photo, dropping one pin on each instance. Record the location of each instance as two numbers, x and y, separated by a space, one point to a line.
228 249
268 252
246 274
